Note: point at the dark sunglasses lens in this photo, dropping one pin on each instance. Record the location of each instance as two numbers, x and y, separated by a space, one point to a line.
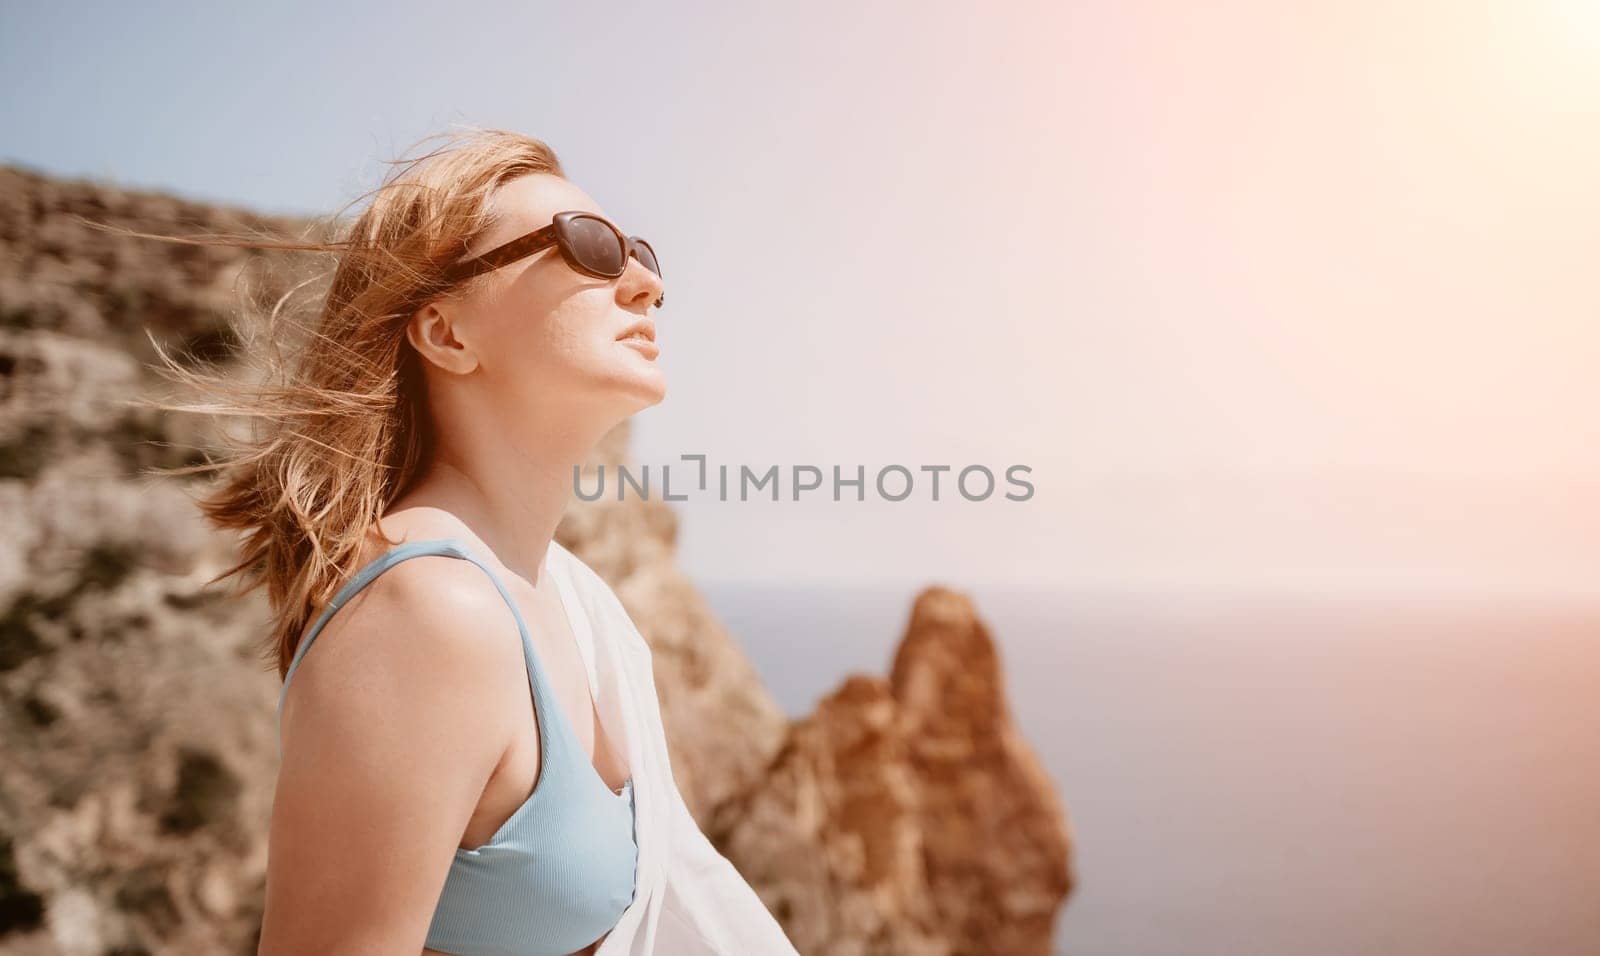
646 255
595 246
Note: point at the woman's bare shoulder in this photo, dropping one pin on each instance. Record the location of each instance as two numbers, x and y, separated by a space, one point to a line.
419 644
392 731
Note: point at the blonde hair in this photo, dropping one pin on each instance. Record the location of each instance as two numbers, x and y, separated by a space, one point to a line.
338 414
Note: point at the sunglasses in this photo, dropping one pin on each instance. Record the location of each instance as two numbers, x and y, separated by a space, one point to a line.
589 243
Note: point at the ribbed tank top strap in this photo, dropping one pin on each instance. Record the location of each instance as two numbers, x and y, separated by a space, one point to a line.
539 684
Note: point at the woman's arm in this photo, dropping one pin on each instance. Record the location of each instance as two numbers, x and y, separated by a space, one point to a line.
389 736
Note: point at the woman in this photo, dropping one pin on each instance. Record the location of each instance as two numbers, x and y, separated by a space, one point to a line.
472 754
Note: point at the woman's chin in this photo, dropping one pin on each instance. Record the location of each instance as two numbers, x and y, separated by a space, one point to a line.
644 390
628 386
654 396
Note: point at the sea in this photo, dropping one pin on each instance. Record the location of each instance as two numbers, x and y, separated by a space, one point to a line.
1300 776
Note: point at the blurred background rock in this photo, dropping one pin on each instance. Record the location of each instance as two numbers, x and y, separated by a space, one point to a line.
137 749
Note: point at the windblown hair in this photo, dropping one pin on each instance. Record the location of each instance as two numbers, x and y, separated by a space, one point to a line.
334 399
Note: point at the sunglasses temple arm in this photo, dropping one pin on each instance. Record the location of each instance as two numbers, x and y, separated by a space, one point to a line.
502 254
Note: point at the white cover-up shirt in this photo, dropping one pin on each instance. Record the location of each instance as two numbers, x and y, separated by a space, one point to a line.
689 900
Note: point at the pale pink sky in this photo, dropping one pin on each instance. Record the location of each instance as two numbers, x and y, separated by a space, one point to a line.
1284 297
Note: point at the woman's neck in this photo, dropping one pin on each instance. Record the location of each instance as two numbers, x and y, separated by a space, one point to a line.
512 499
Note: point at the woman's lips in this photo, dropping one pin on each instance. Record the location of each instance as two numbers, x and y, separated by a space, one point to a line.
645 347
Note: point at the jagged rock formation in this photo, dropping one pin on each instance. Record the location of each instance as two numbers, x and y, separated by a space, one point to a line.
907 816
137 747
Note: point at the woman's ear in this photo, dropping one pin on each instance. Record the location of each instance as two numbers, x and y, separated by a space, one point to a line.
432 332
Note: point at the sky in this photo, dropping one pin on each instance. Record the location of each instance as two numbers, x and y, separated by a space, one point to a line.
1267 298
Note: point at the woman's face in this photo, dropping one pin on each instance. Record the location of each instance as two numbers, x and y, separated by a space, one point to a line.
551 341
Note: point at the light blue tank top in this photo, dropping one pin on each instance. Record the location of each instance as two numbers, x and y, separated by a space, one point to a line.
560 871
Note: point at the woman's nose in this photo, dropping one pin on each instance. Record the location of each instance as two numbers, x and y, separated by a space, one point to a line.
639 284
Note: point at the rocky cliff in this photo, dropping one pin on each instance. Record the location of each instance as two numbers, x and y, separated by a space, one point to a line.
137 749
